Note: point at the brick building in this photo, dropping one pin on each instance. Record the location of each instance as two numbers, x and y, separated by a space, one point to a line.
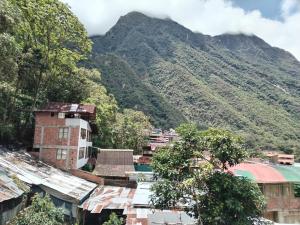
62 134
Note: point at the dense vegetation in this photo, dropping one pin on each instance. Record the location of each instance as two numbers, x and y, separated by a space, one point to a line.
192 173
236 82
41 211
42 45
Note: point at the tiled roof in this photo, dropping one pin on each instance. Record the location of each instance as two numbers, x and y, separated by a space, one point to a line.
114 162
267 173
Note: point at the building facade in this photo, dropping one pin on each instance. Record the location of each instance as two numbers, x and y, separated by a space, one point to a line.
280 185
63 134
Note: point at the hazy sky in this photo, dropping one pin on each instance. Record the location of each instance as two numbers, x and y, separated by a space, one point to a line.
276 21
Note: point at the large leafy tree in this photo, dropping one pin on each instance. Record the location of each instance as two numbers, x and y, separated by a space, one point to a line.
42 211
41 44
129 130
193 174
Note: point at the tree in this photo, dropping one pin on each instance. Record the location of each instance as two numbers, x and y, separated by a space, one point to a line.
114 220
129 129
193 173
42 211
41 43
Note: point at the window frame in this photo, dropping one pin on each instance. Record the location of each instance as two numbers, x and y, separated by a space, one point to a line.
83 133
81 152
61 154
63 132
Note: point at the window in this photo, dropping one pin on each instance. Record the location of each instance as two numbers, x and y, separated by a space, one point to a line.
63 132
297 190
86 153
52 114
81 153
61 154
83 133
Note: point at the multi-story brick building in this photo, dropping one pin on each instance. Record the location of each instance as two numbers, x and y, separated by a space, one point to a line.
63 134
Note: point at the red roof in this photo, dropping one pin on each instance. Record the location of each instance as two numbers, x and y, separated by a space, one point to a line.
261 173
68 107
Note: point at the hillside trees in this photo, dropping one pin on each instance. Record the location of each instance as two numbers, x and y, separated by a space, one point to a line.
129 130
193 174
42 47
44 42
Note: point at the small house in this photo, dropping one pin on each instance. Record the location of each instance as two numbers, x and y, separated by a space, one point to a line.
62 135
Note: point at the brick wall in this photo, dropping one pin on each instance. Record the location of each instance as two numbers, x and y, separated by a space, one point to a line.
49 155
87 176
45 118
72 159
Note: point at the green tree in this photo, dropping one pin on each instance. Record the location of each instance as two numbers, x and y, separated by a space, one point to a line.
42 211
114 220
41 43
192 173
129 129
9 50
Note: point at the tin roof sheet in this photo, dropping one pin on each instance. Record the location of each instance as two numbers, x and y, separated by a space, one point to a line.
8 188
109 197
68 107
142 194
35 172
267 173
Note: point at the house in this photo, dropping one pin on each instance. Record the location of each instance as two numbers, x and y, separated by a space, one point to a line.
62 135
67 191
114 164
12 198
287 159
280 185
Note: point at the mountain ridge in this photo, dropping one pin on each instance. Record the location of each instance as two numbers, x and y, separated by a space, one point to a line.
238 81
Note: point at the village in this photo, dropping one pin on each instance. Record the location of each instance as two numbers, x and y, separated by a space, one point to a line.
118 180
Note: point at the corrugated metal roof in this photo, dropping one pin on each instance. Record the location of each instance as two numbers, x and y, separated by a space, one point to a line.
170 217
109 197
33 172
267 173
8 188
114 162
112 197
67 107
142 194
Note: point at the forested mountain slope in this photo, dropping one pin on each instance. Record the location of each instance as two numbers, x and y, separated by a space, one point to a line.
237 82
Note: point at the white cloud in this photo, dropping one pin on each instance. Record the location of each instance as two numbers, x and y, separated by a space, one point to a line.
211 17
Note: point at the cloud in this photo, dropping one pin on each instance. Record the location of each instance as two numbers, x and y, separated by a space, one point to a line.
211 17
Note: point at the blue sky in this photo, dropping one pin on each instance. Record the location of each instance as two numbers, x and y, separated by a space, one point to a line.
275 21
269 8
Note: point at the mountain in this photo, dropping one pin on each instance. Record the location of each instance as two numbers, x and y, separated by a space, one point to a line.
234 81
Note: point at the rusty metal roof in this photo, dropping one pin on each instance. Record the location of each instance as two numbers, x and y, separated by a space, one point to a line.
114 162
68 107
8 188
109 197
60 184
